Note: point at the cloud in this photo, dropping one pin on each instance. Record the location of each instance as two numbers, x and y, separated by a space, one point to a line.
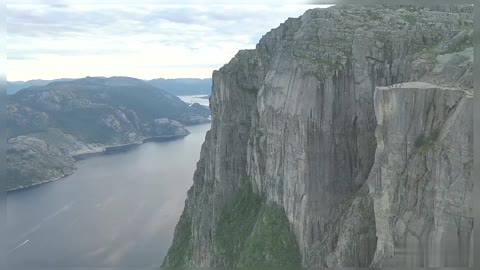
179 36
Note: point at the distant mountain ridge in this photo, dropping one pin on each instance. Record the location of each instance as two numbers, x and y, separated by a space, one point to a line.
178 87
15 86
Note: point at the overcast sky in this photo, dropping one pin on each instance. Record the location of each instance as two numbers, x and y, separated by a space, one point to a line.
65 39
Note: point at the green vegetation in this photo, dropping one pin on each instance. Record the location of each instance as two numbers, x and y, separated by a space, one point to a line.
467 27
410 18
363 202
331 65
468 166
420 141
272 243
250 233
94 111
374 16
464 24
86 124
181 250
428 53
147 102
423 142
460 46
236 223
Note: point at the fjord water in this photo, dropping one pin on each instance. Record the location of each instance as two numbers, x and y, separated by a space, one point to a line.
200 99
117 210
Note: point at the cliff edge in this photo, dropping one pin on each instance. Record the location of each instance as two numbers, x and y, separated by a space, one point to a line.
343 139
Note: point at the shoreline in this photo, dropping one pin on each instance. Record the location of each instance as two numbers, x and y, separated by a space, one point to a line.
23 188
123 148
114 149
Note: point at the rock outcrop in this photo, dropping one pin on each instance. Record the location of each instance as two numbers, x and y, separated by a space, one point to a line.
293 126
32 161
421 179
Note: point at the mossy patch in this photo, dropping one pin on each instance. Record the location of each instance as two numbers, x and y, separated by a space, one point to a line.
423 142
460 46
272 242
409 18
428 53
250 233
181 250
374 15
235 224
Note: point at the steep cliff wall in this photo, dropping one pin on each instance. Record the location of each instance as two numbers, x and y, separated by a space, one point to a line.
294 127
421 180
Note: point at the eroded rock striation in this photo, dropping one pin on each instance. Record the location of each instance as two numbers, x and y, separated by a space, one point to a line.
356 174
421 179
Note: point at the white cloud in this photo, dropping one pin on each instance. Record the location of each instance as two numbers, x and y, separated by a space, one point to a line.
145 41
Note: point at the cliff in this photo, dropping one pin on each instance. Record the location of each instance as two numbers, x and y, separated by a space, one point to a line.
421 180
311 161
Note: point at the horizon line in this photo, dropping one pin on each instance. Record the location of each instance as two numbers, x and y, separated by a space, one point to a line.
78 78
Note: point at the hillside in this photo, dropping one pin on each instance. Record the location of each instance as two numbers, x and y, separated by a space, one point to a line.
87 116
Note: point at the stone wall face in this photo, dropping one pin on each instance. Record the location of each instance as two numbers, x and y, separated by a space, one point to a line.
305 120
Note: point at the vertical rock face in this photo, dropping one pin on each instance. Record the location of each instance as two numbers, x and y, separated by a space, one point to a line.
421 181
294 121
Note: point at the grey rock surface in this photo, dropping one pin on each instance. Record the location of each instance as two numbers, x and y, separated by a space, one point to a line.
31 161
421 181
297 117
68 144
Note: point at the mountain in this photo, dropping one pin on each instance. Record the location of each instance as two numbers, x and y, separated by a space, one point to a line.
344 139
178 87
83 116
184 87
15 86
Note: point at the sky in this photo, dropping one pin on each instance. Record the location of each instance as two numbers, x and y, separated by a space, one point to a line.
154 39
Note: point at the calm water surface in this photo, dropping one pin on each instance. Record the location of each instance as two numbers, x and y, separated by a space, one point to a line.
195 99
116 210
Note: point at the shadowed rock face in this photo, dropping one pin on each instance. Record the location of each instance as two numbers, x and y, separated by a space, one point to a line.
296 119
